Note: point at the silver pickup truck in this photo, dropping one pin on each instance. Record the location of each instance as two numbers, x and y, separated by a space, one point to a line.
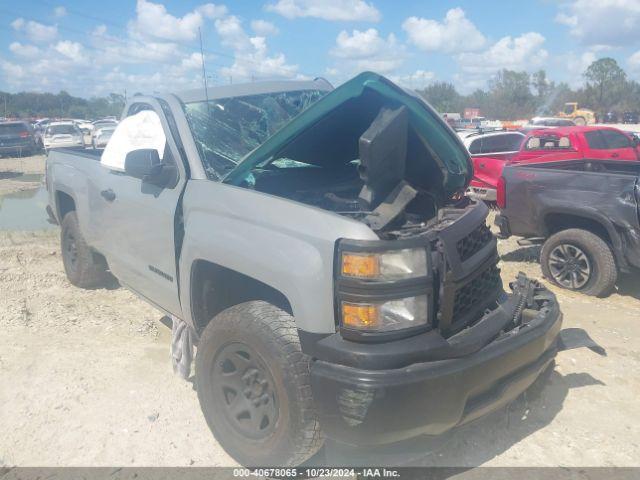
307 236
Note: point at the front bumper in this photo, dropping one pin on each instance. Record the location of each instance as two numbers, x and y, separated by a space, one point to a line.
368 407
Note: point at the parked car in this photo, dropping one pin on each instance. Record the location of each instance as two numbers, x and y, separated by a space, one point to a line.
538 122
555 144
327 296
488 151
62 135
17 138
584 212
101 136
631 117
609 117
85 126
104 123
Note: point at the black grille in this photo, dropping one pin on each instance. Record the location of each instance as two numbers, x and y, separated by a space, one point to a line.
473 242
476 292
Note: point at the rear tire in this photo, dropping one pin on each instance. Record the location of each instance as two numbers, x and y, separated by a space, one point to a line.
579 260
253 386
84 269
580 121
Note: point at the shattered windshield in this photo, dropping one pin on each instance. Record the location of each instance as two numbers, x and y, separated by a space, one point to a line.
226 129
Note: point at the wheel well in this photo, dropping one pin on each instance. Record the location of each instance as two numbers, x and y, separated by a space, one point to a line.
557 222
215 288
65 204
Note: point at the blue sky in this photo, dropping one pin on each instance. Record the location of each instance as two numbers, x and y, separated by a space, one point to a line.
96 47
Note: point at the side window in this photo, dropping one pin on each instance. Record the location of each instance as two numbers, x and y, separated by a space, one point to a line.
476 146
501 143
141 129
615 139
595 140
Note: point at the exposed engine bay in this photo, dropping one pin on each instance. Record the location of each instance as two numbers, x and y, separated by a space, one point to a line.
391 182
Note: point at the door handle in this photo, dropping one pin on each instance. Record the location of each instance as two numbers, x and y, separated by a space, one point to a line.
109 195
482 165
615 155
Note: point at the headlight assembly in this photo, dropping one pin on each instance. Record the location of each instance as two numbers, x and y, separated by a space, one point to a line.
382 292
386 316
388 265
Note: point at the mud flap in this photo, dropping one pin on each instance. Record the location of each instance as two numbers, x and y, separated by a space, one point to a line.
571 338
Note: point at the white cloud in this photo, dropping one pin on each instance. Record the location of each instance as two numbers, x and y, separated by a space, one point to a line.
26 51
577 64
59 12
367 50
333 10
264 28
251 58
416 80
113 50
602 22
520 53
35 31
18 23
634 63
153 20
72 50
568 20
456 33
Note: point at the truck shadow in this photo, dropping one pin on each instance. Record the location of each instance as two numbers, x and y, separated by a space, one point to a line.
473 444
628 285
528 254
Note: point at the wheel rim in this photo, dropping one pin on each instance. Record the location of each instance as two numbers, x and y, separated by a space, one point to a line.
71 248
570 266
244 386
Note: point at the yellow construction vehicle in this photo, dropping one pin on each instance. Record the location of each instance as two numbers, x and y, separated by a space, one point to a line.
580 116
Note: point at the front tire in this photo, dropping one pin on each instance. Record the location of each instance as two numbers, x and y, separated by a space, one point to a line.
580 121
579 260
84 269
253 386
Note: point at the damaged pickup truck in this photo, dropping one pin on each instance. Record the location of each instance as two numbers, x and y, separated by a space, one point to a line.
307 238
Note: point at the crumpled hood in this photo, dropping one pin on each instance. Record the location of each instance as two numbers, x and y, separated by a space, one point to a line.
353 103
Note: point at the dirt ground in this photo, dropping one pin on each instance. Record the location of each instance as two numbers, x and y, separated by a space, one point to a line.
86 379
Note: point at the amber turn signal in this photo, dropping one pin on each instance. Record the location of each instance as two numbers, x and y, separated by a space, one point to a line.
360 316
363 266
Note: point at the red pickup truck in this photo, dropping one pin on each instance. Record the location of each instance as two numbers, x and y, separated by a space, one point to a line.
553 144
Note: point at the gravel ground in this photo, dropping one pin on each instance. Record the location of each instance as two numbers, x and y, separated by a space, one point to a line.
86 380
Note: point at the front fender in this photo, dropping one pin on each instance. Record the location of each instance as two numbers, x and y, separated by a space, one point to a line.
284 244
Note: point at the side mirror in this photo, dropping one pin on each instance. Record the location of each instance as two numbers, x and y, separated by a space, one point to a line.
144 164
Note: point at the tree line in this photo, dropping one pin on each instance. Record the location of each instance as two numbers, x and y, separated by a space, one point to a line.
519 95
510 95
60 105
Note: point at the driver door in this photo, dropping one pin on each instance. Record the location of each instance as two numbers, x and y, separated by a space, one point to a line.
139 218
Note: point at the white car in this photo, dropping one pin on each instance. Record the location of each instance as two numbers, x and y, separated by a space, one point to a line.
62 135
84 125
101 136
